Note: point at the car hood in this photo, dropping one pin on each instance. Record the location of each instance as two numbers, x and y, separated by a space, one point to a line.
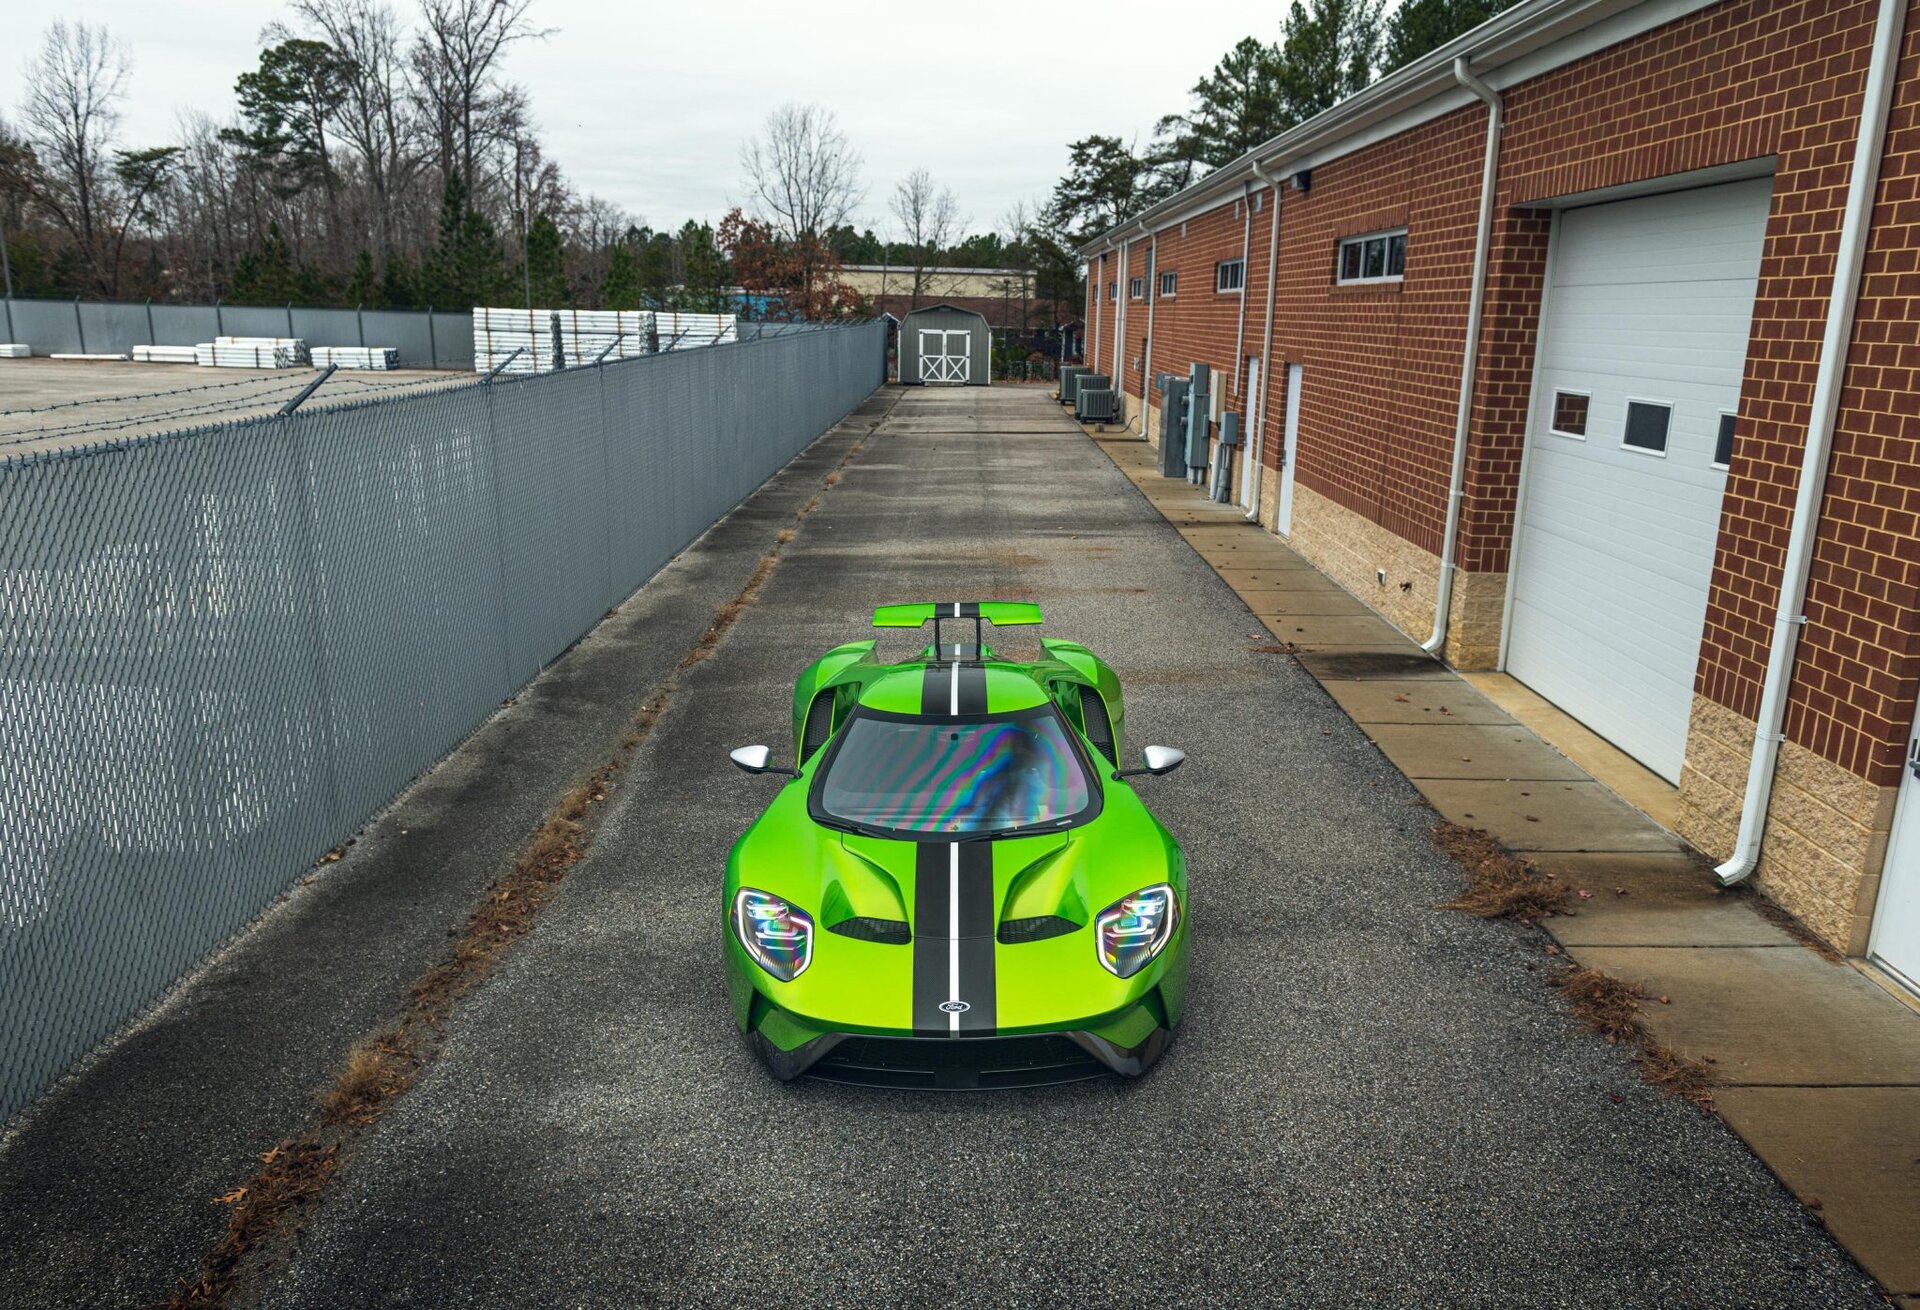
1072 874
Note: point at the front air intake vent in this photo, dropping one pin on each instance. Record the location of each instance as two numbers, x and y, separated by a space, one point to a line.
1015 931
888 932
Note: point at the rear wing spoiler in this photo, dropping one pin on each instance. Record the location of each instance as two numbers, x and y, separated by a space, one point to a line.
1000 613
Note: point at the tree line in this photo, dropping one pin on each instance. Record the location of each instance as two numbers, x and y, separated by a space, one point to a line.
1326 50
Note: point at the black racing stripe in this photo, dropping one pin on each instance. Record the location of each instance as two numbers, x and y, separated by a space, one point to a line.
969 609
936 689
931 904
973 689
977 983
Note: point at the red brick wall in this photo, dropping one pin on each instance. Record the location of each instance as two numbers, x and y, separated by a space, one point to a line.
1381 364
1198 324
1858 669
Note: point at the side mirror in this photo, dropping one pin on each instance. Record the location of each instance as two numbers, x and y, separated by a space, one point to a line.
756 759
1160 760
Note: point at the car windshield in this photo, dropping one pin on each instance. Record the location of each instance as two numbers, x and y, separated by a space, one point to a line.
918 775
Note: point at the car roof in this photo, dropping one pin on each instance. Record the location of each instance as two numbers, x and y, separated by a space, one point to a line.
899 690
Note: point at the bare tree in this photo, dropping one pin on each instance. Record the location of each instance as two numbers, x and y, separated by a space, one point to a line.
71 112
802 175
929 218
454 58
375 116
1015 225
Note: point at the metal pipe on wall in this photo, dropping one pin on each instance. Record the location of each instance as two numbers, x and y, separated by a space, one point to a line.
1476 306
1257 448
1856 227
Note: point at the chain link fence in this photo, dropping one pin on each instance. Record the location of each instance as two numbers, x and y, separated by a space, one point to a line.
222 650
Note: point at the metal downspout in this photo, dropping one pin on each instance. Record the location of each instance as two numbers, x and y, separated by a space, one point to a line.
1259 451
1240 324
1146 353
1476 305
1855 229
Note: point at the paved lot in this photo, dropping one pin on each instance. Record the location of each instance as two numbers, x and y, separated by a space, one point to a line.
47 404
1371 1101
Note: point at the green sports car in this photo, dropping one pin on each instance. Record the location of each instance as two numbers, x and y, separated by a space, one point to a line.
957 886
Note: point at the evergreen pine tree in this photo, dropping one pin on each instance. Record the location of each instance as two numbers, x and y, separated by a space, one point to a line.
621 290
546 270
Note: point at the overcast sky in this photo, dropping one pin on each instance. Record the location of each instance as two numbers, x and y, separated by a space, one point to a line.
647 104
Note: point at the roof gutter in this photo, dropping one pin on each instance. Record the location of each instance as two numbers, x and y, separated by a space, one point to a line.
1476 306
1258 450
1855 229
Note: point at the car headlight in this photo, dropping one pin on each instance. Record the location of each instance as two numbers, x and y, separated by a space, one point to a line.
777 935
1132 931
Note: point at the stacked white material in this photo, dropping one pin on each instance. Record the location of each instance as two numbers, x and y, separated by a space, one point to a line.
373 357
15 350
88 357
584 335
251 352
680 331
164 355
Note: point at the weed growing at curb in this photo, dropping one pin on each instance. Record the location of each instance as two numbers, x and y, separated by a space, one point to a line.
1503 886
1612 1008
1500 885
272 1207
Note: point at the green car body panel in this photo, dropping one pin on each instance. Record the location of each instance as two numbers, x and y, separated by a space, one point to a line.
1021 983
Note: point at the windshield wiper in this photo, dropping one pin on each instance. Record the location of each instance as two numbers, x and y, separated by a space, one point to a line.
866 830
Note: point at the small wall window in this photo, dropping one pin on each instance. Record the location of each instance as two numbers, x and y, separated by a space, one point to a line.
1113 291
1723 442
1168 280
1137 288
1570 413
1647 424
1230 275
1375 257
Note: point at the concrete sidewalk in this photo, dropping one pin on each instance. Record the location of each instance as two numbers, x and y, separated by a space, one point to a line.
1819 1067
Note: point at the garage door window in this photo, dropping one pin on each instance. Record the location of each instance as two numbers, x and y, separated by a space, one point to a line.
1723 443
1570 413
1647 423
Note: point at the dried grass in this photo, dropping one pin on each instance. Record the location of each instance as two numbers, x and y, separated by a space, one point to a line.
1603 1003
1500 885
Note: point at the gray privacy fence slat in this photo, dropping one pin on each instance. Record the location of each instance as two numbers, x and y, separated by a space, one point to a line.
222 650
62 327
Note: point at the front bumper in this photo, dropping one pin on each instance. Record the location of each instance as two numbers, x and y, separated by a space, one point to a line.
962 1063
1128 1045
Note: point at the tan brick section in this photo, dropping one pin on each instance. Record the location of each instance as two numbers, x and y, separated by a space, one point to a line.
1348 546
1824 826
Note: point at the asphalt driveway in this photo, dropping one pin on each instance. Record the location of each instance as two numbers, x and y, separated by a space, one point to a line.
1371 1101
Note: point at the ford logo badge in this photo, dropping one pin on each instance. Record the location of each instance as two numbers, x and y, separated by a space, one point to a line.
955 1007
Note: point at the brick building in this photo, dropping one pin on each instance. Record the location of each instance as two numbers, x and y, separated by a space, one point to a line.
1005 297
1651 220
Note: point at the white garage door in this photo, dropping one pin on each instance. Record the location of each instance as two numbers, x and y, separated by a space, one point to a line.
1641 356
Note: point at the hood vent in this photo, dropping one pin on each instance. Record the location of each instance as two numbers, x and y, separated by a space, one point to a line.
1015 931
888 932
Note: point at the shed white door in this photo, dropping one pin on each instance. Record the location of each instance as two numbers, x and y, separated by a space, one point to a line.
1647 316
945 355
